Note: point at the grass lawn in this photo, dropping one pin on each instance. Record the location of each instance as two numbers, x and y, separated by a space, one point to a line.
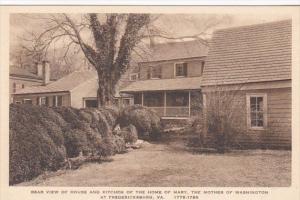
171 165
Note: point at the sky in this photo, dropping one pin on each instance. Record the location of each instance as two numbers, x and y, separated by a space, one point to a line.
175 25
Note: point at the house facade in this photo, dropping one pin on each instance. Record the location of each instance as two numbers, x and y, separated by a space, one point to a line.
255 62
169 81
78 89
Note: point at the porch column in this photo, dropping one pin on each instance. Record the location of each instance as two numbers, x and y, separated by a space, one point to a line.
165 103
189 103
142 98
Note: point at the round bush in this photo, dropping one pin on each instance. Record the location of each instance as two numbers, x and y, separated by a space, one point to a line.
129 134
145 120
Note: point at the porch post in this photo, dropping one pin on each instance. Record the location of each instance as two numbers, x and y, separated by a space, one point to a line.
142 98
165 103
189 103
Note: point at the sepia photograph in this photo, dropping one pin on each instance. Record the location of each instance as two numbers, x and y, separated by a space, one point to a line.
143 99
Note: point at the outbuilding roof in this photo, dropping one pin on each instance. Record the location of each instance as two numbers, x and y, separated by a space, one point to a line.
64 84
190 83
254 53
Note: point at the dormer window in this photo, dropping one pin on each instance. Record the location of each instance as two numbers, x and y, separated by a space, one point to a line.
134 77
154 72
180 69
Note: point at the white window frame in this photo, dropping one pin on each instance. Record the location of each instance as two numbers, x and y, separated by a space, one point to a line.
265 111
134 74
176 70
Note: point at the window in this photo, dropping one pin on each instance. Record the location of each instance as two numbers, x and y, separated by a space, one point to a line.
180 69
154 72
134 77
57 101
14 87
257 111
43 101
18 102
126 102
137 98
23 86
177 99
91 103
27 101
154 99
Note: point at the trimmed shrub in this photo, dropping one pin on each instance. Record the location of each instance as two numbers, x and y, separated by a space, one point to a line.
146 121
36 144
41 138
129 134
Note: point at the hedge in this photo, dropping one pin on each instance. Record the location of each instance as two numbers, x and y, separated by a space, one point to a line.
42 138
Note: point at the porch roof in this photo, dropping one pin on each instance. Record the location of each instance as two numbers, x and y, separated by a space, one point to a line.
190 83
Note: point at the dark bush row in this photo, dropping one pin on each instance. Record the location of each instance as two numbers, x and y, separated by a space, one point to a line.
42 138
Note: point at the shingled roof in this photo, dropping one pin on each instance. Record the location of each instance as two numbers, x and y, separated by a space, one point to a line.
255 53
64 84
176 50
189 83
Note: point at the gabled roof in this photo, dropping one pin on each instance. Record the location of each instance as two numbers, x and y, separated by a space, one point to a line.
21 72
190 83
254 53
64 84
176 50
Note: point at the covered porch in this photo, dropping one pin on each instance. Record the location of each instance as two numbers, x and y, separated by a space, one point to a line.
169 98
171 104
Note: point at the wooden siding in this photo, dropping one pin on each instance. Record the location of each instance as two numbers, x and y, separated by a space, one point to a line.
167 68
278 131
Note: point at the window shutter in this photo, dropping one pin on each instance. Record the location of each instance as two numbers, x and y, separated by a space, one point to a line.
185 69
47 101
149 73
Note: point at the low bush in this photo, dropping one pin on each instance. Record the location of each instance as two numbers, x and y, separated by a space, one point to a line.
42 138
146 121
36 144
129 134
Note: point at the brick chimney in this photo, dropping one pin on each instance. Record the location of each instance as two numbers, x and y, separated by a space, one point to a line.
39 69
46 72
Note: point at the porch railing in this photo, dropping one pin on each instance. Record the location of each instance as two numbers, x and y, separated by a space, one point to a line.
177 111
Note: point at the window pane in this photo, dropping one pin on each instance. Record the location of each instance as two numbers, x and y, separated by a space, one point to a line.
177 99
154 99
91 103
260 123
59 100
253 100
260 105
253 107
27 101
181 69
138 98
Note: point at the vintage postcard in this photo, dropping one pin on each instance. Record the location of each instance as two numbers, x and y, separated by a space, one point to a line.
149 102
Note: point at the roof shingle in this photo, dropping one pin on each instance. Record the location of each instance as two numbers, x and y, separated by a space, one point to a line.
252 53
190 83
